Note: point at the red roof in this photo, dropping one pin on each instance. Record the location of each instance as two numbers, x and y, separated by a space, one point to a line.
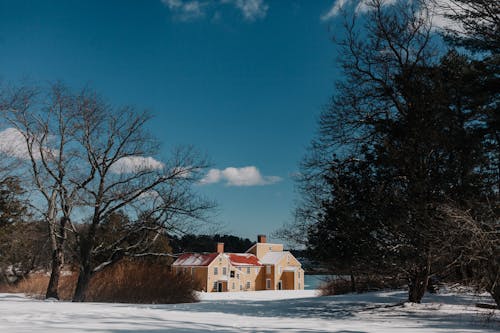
195 259
240 259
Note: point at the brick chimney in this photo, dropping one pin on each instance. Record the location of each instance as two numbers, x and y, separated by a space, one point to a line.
220 247
261 238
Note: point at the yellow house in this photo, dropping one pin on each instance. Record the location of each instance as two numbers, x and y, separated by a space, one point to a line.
264 266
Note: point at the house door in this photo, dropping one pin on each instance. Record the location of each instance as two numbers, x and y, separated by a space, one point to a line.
219 287
280 284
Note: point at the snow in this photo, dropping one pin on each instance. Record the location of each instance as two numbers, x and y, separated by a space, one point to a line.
272 258
195 259
261 311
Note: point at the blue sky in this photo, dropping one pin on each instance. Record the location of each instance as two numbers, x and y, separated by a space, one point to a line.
242 80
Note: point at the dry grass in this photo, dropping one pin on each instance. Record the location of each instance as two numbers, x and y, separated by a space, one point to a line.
35 285
139 281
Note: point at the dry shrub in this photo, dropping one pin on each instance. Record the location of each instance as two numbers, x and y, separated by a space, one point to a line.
5 285
35 285
128 281
338 285
141 281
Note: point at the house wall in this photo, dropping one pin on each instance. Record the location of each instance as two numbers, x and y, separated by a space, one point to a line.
260 249
271 275
220 262
249 280
288 280
296 279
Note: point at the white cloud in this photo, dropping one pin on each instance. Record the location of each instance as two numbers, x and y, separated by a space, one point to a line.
362 6
186 10
251 9
213 176
190 10
334 10
13 144
132 164
149 195
437 10
246 176
172 4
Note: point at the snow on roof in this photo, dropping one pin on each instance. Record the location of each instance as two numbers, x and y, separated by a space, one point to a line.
272 258
243 259
195 259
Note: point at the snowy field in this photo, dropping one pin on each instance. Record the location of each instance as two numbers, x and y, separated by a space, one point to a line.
263 311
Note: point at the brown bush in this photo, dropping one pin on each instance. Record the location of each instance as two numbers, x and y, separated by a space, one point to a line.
338 285
35 285
141 281
129 281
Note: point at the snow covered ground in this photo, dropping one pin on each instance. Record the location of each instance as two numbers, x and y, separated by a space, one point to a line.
263 311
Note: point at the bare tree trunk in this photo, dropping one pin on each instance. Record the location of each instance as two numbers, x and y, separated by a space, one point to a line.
417 287
57 263
417 284
493 275
57 255
83 283
353 282
495 293
85 273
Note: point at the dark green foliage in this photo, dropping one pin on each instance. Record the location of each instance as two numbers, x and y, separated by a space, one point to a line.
22 243
12 208
406 133
208 243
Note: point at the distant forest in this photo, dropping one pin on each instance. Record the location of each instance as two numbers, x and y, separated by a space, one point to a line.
208 243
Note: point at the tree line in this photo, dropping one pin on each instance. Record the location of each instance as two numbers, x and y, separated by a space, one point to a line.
86 180
403 177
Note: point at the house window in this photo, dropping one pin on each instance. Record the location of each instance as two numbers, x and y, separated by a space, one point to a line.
233 286
268 283
241 287
256 270
248 270
268 269
238 276
216 270
299 285
224 271
215 285
232 274
248 285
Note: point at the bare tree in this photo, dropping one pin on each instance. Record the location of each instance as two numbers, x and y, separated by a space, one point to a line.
474 242
120 154
46 124
89 161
